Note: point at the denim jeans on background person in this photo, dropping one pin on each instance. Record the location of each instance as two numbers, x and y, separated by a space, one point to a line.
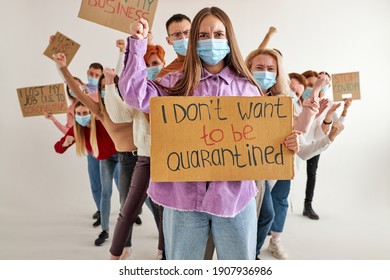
186 234
266 217
127 161
107 170
94 179
279 195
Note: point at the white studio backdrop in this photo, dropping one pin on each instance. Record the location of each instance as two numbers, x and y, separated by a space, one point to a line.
335 36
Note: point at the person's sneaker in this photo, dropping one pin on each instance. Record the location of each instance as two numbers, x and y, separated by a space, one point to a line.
138 221
275 247
102 238
97 223
96 215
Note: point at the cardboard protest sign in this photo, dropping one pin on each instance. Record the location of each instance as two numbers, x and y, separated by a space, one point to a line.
346 85
220 138
118 14
62 44
35 101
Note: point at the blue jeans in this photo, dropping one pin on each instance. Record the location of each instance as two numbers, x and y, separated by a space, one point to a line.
186 234
273 211
94 179
266 217
279 196
107 169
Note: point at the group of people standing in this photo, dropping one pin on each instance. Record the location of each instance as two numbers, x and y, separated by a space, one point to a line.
108 120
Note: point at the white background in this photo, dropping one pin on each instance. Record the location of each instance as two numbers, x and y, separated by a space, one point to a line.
44 194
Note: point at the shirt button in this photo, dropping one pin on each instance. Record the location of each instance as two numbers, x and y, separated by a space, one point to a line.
214 78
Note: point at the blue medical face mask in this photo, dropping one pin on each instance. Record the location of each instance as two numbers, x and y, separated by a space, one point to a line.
307 92
212 51
92 81
180 46
71 93
83 120
325 89
153 71
294 96
264 79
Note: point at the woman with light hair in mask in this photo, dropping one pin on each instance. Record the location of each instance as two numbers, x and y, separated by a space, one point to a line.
268 70
193 209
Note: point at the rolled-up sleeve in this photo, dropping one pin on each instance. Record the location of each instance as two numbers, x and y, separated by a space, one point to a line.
134 86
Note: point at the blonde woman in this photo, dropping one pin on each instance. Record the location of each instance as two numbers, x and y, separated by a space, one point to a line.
91 136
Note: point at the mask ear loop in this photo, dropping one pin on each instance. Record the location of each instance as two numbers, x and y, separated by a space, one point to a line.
261 92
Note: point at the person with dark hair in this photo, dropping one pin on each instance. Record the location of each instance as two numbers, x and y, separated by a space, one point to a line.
320 127
94 72
178 29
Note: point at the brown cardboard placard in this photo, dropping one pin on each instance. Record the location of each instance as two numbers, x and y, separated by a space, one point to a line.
35 101
346 85
220 138
118 14
62 44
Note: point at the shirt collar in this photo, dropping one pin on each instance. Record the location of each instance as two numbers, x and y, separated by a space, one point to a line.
226 74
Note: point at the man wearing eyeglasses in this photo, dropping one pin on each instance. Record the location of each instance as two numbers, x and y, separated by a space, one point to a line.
178 28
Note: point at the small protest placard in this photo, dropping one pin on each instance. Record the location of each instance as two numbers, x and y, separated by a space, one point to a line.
220 138
35 101
118 14
62 44
346 85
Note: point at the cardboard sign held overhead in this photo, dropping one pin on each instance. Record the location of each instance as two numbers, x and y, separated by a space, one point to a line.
345 85
35 101
62 44
220 138
118 14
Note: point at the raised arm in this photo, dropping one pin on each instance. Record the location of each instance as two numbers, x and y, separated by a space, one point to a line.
327 122
133 84
118 110
63 128
60 60
120 43
272 30
347 104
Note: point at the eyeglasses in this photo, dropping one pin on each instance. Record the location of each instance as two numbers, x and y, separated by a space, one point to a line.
178 35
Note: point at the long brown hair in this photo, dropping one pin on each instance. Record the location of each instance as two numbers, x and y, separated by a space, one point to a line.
79 135
192 69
